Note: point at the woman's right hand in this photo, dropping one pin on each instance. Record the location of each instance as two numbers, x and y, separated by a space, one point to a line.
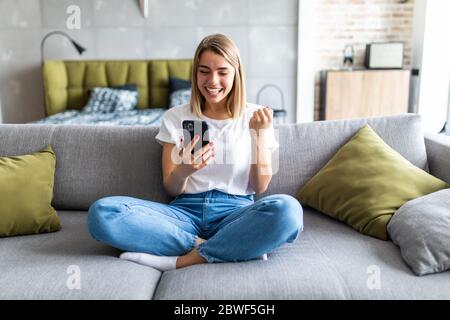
191 163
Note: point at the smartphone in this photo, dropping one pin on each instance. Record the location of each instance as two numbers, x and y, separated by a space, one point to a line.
191 128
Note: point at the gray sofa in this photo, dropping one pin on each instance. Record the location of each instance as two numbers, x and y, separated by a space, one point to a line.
330 260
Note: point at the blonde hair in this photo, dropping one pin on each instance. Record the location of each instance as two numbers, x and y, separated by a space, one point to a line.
224 46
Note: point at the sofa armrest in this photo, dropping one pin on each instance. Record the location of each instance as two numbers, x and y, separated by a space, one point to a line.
438 154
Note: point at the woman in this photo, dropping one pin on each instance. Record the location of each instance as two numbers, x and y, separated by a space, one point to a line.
213 217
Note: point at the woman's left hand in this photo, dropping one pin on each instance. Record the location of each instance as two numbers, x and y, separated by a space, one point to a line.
261 119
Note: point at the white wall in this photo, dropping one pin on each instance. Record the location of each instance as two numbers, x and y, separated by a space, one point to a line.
305 62
432 56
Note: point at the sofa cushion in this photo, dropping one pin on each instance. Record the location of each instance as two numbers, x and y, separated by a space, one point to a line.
438 155
26 189
328 261
47 266
94 161
365 182
421 228
99 163
306 147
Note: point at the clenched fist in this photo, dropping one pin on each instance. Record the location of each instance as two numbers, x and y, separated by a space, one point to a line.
261 119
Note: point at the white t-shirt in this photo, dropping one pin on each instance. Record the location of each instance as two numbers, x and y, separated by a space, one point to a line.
229 170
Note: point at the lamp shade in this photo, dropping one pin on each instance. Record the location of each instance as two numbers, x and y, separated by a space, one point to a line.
80 49
77 46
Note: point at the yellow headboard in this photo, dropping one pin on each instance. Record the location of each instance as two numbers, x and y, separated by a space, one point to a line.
66 82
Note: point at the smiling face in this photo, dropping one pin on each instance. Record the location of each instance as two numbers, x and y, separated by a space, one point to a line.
215 77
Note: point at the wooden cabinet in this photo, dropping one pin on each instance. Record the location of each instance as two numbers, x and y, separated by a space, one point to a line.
363 93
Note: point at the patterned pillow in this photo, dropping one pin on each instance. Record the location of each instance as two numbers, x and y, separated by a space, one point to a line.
178 97
110 100
179 91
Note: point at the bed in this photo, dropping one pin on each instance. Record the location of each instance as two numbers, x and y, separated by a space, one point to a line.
68 84
129 118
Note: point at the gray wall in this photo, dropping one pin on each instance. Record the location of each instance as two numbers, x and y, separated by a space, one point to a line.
264 30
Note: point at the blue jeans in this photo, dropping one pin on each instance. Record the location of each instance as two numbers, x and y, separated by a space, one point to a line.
236 228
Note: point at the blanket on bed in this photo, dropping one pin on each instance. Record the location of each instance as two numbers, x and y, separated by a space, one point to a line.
129 118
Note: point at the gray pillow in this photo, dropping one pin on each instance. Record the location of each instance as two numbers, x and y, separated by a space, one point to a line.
421 228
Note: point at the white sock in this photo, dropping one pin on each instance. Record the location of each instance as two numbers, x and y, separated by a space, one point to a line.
263 257
161 263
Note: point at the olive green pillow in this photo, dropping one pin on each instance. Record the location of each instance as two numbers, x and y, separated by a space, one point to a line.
365 182
26 191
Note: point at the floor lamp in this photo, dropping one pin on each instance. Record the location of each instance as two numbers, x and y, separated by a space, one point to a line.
80 49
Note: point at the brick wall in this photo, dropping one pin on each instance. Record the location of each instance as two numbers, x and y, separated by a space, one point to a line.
357 22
